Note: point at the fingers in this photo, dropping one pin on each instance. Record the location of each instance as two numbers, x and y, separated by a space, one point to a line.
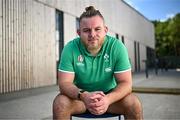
97 103
97 111
98 107
99 92
97 99
97 95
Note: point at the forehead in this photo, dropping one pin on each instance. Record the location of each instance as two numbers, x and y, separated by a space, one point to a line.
91 21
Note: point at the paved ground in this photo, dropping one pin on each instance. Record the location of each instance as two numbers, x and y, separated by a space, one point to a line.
164 82
37 103
165 79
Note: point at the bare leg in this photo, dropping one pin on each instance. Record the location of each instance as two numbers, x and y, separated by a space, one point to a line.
64 107
129 106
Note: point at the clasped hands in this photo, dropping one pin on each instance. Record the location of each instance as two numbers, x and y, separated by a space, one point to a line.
96 102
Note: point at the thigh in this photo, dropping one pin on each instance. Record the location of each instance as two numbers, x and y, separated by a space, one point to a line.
121 106
78 107
70 105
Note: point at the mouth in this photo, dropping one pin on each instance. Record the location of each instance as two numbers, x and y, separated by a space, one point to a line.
92 40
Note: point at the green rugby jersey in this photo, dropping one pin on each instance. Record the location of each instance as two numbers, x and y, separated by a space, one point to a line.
95 73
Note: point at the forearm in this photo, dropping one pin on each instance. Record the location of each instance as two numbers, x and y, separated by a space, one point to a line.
69 89
119 92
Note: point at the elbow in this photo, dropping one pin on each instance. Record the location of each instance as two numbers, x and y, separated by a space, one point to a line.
61 88
129 88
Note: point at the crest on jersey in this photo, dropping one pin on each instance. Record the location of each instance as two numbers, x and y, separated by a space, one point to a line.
106 57
80 58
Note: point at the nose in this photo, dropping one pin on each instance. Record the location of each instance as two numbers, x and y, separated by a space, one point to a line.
92 33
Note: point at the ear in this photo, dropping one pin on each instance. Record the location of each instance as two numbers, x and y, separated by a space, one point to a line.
106 29
78 32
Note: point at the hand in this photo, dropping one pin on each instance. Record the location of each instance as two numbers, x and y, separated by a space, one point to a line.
91 97
100 106
96 102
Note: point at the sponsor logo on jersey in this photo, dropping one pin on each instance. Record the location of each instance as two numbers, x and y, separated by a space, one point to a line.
108 69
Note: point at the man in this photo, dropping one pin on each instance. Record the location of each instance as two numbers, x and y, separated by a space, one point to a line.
95 73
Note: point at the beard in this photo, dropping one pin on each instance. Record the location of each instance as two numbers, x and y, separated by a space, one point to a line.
94 45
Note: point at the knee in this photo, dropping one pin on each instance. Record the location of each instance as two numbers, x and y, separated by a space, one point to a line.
61 104
133 104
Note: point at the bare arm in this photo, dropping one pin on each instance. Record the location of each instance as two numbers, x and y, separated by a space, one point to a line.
124 87
69 89
65 81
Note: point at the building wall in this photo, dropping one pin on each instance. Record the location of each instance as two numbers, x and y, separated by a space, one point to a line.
27 37
119 17
27 44
130 47
111 33
69 27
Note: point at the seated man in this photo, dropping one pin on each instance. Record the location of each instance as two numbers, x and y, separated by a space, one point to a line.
95 73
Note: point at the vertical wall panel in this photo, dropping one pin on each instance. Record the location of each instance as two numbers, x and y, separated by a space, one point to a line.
33 44
3 47
19 43
30 36
16 38
10 46
6 28
14 46
24 42
27 16
1 75
2 54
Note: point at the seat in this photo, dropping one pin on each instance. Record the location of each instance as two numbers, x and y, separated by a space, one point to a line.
89 115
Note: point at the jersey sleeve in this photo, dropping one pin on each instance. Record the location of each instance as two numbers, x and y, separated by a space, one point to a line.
122 63
66 61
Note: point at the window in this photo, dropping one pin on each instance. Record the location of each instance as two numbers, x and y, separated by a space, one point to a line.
59 37
59 34
122 38
77 23
117 36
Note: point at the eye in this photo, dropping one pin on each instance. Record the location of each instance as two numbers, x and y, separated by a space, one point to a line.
98 29
86 30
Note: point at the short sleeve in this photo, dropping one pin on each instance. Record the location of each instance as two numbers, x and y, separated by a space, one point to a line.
66 61
122 63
